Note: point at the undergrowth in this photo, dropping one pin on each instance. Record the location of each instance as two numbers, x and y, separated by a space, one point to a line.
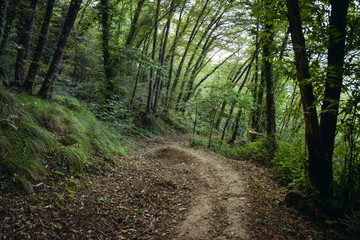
37 136
288 163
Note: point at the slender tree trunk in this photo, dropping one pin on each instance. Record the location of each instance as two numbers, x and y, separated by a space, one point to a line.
48 84
24 41
135 85
140 71
254 112
191 38
221 114
236 129
235 101
199 64
106 48
318 168
3 11
195 121
134 21
162 57
212 123
209 74
259 104
288 115
269 80
254 117
213 25
172 54
281 54
35 64
12 12
151 80
234 80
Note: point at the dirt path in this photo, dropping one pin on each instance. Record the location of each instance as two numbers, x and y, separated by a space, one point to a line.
219 208
165 190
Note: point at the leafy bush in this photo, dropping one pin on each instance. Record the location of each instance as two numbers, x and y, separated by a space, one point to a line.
240 151
289 163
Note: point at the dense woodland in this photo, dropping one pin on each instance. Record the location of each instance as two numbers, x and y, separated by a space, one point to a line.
275 82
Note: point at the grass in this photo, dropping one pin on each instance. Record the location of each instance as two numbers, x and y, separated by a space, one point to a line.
37 136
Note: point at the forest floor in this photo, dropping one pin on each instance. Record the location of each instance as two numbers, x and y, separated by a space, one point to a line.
165 190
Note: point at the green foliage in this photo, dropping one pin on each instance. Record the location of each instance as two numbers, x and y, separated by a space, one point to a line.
179 122
61 135
289 163
198 142
349 225
241 151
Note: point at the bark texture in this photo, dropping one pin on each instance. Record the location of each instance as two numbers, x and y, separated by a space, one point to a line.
35 64
50 78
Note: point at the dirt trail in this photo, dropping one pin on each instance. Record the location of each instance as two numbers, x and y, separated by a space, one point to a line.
165 190
219 208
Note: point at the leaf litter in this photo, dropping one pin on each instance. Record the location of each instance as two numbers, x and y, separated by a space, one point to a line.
164 191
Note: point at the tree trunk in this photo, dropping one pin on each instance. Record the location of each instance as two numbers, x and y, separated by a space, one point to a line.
234 80
172 54
191 38
320 173
269 79
3 10
236 129
235 101
134 21
106 48
151 80
208 75
212 123
254 112
48 84
140 71
12 12
24 42
221 114
162 57
35 64
213 25
334 78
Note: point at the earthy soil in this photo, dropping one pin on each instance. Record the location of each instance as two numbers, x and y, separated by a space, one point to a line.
165 190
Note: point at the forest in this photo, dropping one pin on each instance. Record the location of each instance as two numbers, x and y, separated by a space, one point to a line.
273 83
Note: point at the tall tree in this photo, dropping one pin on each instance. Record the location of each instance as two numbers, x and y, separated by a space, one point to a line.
334 76
268 38
173 47
3 11
320 156
35 64
134 21
106 47
197 25
207 35
151 80
162 57
24 41
11 14
50 78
